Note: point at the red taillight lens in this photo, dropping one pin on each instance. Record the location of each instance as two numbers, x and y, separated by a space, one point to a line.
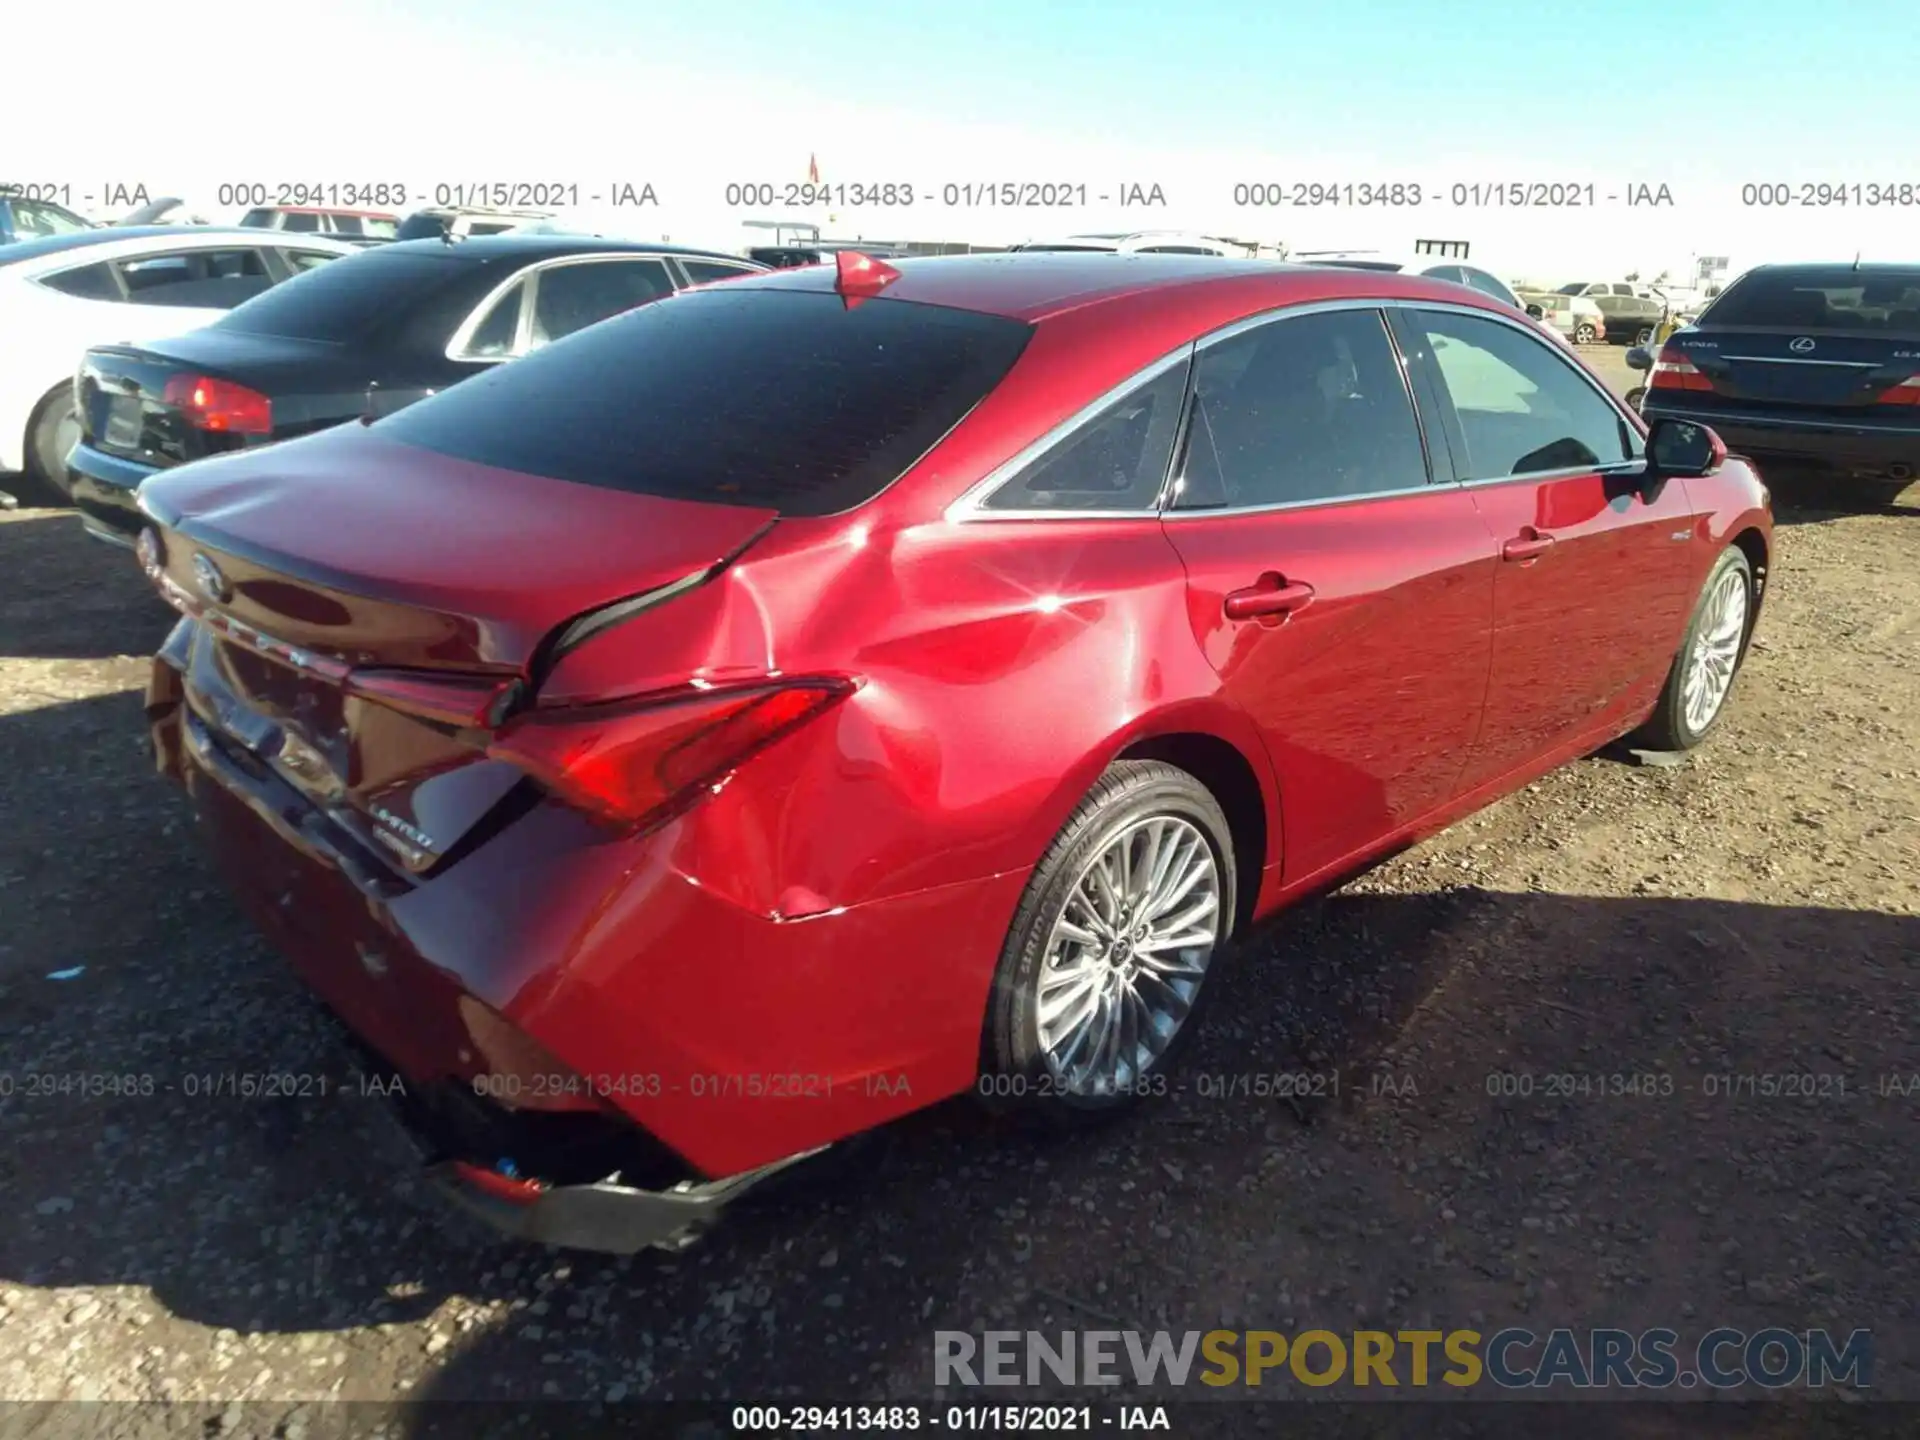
1907 392
627 765
220 405
1672 370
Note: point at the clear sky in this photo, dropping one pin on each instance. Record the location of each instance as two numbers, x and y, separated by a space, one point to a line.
1194 96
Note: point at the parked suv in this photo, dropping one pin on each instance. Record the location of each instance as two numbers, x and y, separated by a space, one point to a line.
1632 311
363 227
1578 318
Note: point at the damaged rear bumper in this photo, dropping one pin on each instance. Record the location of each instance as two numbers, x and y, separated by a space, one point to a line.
605 1216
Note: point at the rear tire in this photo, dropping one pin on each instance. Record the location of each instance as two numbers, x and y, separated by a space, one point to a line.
50 436
1583 334
1644 336
1702 675
1094 996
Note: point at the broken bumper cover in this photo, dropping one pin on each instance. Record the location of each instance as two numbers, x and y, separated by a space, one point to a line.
603 1215
608 1217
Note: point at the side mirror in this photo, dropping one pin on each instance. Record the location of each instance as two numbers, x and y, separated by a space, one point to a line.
1639 358
1534 312
1684 449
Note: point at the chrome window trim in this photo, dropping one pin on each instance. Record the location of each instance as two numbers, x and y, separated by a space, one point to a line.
1524 327
683 277
463 336
1322 503
1401 364
969 506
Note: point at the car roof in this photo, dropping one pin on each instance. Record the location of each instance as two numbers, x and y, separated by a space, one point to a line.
1034 286
541 246
173 234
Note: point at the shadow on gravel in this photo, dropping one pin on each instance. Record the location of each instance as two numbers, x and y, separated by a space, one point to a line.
68 596
133 1164
1810 497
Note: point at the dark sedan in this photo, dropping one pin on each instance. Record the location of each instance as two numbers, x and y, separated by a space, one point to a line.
1813 365
364 336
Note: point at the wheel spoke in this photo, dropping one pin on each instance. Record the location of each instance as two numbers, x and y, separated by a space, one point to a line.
1127 954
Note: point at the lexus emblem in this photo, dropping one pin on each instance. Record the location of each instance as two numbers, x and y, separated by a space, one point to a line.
212 583
1801 346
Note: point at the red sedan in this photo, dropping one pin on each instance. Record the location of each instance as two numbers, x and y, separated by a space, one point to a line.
807 698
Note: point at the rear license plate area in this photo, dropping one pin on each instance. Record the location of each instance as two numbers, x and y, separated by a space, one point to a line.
123 422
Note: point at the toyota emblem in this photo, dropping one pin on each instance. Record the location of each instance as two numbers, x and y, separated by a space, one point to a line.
1801 346
212 583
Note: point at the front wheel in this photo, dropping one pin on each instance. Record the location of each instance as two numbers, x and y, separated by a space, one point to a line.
1644 336
1105 965
1702 673
1583 334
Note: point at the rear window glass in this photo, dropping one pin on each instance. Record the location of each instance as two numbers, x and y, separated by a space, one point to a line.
89 282
346 299
1837 298
788 401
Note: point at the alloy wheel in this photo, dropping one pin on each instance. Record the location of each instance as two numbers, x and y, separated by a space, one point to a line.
1127 955
1716 650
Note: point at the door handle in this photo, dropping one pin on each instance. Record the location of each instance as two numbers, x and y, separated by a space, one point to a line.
1529 544
1272 596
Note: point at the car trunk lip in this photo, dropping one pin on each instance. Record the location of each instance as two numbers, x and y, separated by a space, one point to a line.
339 534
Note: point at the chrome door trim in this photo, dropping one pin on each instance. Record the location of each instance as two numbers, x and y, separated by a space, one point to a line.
463 336
968 507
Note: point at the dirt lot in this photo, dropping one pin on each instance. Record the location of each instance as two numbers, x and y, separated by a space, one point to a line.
1754 911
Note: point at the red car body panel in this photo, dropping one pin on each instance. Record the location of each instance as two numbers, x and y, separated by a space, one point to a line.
807 951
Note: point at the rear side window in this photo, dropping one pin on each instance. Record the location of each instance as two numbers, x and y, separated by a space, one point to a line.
1309 408
89 282
1116 461
495 337
571 297
1822 298
346 299
198 279
793 402
701 271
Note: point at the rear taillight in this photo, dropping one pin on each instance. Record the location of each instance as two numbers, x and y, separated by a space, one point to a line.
628 764
1907 392
220 405
1672 370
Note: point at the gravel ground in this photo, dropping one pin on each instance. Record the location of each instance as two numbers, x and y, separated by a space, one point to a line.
1752 911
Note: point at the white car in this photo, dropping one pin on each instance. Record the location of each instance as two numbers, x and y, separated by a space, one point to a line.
1140 242
61 295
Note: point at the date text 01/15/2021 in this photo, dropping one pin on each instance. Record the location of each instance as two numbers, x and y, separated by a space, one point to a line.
899 1419
1460 194
953 195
